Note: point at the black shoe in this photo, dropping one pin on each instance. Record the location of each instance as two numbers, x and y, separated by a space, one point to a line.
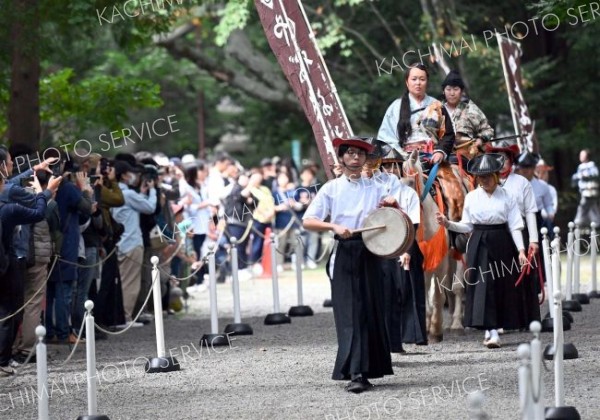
21 358
358 385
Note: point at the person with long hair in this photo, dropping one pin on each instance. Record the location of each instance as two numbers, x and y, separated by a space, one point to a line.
417 120
492 217
194 193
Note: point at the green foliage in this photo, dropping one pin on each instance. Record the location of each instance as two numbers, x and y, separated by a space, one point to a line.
234 16
70 107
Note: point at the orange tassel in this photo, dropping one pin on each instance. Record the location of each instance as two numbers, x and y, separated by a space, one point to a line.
434 250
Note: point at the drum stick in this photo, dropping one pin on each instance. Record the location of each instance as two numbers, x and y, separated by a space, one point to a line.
366 229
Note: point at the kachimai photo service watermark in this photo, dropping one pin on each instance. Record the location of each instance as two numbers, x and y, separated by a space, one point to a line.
117 139
517 31
133 9
415 400
76 383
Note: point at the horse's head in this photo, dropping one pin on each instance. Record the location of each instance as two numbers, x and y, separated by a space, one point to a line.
412 165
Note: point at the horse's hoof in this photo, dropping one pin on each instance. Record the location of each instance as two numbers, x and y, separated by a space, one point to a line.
435 338
458 330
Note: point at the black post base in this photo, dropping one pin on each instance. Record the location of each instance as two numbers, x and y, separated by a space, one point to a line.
562 413
214 340
277 318
301 310
581 298
93 417
238 329
569 316
569 351
571 306
594 294
548 324
162 365
327 303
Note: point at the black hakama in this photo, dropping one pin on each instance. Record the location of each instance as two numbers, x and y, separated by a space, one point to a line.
393 303
358 310
412 289
493 268
529 287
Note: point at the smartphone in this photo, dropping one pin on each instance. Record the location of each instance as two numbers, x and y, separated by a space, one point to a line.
94 178
56 170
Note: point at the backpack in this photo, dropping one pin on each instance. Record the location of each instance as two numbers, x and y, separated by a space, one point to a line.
4 260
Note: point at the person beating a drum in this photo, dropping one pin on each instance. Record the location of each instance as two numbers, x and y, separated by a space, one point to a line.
355 272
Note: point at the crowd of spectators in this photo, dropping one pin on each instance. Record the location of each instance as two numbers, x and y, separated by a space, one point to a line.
86 228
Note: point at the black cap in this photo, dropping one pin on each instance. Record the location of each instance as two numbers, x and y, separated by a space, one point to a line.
486 164
453 79
527 160
121 167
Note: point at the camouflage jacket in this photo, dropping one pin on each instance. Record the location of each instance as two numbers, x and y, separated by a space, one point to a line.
470 122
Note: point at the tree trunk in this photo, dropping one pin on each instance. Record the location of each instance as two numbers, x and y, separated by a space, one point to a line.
24 107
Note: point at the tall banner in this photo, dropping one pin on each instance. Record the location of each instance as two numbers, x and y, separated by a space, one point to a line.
293 43
510 54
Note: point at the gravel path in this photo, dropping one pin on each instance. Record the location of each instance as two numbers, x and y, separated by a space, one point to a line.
283 372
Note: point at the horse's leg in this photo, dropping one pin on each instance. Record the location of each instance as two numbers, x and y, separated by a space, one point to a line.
458 290
436 332
428 309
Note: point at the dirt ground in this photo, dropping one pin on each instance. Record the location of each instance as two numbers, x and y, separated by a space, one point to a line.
284 371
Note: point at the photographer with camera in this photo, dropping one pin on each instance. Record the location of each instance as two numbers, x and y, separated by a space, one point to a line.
131 246
74 198
11 269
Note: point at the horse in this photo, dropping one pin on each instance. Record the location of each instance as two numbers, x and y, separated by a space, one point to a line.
441 261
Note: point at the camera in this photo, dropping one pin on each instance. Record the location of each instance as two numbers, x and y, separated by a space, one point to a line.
25 182
93 178
56 172
104 166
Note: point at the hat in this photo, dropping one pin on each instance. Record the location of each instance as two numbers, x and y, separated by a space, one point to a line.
453 79
512 151
161 160
393 156
541 166
486 164
364 143
176 208
527 160
188 158
266 162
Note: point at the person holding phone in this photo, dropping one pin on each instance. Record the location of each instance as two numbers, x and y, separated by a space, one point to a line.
11 281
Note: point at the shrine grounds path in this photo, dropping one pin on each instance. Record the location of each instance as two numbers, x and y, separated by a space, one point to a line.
283 372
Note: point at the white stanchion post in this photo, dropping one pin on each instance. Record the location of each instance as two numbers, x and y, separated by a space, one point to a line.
570 304
570 251
475 401
161 363
577 260
237 328
90 347
299 261
593 258
214 338
525 390
559 391
214 317
582 298
560 411
42 373
274 274
158 315
276 317
301 309
548 270
537 383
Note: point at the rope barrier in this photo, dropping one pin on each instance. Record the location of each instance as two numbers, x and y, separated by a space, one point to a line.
35 294
76 341
136 317
91 265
